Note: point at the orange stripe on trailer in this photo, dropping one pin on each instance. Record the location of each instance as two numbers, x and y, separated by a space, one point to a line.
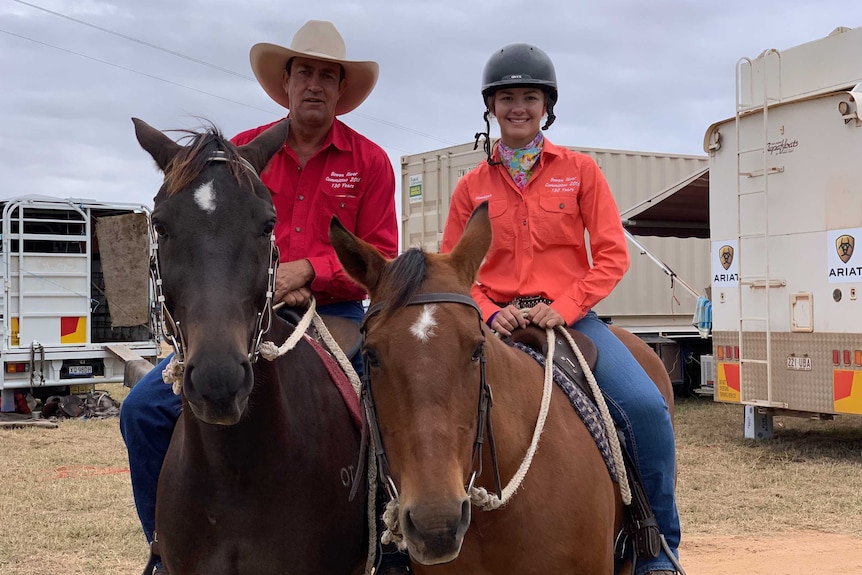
73 330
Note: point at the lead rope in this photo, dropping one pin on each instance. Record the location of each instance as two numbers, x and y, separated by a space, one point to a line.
269 351
610 428
487 501
173 374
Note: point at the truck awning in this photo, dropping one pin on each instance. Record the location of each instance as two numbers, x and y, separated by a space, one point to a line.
681 211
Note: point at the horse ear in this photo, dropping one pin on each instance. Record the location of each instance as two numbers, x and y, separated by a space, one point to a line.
159 146
259 151
469 252
362 261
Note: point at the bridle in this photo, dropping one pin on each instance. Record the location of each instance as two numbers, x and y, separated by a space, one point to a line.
170 328
371 428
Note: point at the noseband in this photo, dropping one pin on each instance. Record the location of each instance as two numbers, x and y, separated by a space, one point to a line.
369 412
170 328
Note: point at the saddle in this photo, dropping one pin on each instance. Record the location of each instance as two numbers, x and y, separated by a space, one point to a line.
564 357
640 525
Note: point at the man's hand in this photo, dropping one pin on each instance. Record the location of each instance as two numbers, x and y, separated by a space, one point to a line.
544 316
507 319
297 298
292 282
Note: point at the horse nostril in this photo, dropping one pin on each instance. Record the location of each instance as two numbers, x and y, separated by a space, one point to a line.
409 525
466 511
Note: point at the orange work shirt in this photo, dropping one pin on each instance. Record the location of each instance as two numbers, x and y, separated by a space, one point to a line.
538 245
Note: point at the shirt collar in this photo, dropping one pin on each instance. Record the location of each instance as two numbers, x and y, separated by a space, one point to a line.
338 137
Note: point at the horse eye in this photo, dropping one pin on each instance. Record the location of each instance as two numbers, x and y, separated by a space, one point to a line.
268 228
160 229
478 352
371 359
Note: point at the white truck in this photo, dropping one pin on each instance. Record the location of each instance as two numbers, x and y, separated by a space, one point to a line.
785 203
76 303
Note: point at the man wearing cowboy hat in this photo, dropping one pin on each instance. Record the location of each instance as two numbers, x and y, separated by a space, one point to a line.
324 169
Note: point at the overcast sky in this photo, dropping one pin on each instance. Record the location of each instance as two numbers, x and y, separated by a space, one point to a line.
633 75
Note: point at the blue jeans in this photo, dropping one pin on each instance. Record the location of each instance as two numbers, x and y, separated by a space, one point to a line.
641 412
149 414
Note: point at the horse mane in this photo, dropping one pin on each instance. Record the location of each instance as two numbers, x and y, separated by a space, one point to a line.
403 278
193 157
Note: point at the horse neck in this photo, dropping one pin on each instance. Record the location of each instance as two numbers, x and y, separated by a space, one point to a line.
516 382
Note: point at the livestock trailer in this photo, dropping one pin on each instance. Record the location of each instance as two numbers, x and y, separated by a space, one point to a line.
656 302
76 301
785 207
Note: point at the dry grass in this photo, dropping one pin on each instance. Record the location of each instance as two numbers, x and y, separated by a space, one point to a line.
67 506
808 478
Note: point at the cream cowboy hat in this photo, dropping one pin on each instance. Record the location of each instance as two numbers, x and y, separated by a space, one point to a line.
321 41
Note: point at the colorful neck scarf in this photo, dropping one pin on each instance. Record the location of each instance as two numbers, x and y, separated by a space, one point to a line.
520 161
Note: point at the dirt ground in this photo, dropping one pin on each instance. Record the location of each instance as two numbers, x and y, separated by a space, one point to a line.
802 553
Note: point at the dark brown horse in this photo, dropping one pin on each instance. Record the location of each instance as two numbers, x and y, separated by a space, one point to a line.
256 480
427 351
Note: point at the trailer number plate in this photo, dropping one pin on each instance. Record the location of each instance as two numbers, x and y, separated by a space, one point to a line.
80 370
799 363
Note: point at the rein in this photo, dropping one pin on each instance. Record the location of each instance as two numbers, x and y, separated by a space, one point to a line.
370 426
171 328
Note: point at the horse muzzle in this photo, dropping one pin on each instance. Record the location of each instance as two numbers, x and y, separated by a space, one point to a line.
218 390
434 533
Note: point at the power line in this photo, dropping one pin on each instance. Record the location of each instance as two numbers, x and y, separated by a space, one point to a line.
166 81
127 69
209 65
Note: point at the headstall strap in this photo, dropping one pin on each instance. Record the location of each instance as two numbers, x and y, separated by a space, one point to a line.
170 328
484 407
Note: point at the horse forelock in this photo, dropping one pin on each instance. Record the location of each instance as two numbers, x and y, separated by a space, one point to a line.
402 279
192 159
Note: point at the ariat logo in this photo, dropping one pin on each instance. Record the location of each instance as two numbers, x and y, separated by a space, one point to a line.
725 256
844 244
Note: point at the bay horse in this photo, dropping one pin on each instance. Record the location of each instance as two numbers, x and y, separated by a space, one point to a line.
256 479
428 355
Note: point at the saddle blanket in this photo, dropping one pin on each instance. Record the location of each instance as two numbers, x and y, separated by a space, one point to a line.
339 378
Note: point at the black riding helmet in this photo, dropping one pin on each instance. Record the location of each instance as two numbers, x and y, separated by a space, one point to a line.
521 66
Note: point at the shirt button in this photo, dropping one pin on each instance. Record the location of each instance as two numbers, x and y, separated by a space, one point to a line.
562 206
301 198
298 229
342 205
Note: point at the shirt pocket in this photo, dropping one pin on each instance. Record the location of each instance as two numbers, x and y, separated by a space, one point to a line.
559 220
502 224
341 203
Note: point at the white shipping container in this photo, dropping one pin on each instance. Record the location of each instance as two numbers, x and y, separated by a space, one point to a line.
645 301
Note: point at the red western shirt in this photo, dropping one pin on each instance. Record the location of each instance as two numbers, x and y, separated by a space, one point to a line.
538 245
350 177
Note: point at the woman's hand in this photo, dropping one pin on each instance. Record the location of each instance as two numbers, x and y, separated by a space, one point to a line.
507 319
543 316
